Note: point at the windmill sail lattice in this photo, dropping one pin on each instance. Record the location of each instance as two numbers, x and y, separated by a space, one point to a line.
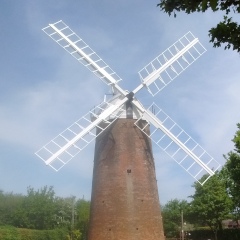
74 45
61 149
171 138
169 64
155 76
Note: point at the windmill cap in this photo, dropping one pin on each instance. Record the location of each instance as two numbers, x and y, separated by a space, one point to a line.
130 96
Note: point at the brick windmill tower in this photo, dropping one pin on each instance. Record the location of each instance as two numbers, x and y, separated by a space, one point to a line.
125 203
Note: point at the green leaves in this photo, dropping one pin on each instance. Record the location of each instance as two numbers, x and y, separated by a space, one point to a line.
13 233
83 212
211 203
233 171
171 213
209 206
187 6
9 206
42 209
236 139
38 208
214 5
226 32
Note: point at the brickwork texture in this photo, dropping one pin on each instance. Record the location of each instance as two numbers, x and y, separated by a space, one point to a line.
125 203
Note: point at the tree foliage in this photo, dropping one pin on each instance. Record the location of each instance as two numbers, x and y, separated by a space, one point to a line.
37 209
233 171
226 32
9 205
83 213
171 213
218 199
42 209
211 203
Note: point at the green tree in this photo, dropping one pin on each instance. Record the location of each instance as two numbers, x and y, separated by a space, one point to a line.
171 213
37 209
233 170
83 213
211 203
41 209
63 213
9 204
226 32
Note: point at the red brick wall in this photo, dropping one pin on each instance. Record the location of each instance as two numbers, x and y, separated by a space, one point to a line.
125 203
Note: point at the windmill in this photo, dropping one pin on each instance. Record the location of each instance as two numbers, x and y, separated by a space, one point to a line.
124 203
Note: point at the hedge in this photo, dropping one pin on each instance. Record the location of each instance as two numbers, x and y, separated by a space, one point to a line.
12 233
226 234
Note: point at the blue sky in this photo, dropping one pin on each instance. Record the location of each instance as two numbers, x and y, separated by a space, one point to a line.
43 89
